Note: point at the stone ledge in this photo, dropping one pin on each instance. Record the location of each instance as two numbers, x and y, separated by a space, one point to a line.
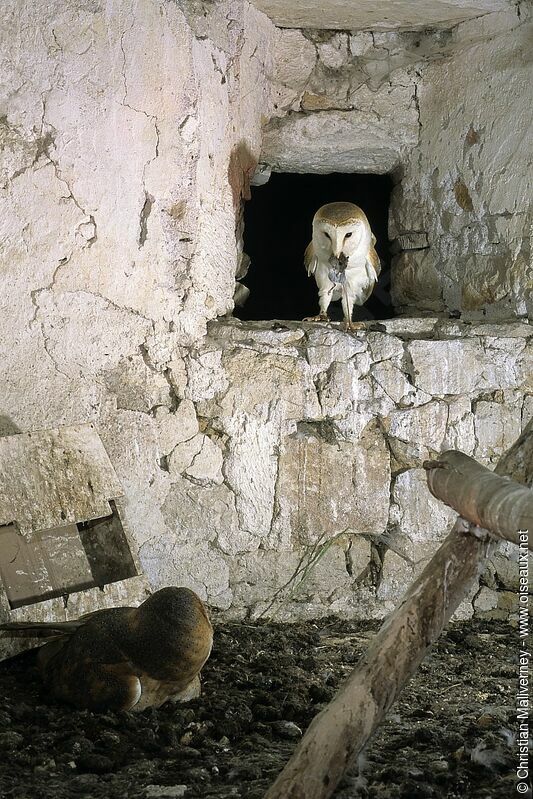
433 327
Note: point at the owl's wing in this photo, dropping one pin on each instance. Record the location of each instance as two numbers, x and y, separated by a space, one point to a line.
310 259
373 258
46 628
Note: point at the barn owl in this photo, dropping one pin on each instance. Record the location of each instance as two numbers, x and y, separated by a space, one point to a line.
126 658
343 260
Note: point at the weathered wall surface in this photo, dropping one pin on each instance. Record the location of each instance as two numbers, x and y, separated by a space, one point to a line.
120 122
369 15
465 192
299 470
343 102
448 112
129 133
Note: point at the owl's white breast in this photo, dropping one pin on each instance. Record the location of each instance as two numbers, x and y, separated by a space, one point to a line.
360 279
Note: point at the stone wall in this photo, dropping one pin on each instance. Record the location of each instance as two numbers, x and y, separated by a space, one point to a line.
295 475
130 132
464 202
448 113
343 102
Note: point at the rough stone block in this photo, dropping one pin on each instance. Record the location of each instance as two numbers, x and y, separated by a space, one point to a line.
419 516
206 377
256 381
336 390
416 282
396 576
136 386
486 601
385 347
183 455
174 427
294 59
199 459
423 428
456 367
326 345
460 432
251 468
258 575
197 566
311 143
395 384
497 426
325 488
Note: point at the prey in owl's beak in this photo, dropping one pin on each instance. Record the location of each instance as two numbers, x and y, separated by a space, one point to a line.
337 268
339 262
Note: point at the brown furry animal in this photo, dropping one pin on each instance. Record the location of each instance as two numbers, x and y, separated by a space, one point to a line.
127 658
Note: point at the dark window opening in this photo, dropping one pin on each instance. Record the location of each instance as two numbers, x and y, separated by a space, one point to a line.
278 228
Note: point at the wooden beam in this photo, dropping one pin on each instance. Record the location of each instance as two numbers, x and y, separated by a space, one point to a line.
483 498
338 734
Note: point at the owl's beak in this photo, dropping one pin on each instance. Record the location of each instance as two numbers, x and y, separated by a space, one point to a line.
338 243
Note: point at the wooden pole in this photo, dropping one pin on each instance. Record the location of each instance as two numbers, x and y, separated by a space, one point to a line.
483 498
338 734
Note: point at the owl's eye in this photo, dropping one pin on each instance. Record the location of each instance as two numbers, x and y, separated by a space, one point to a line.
327 235
347 236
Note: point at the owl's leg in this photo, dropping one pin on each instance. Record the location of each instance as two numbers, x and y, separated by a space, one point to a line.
324 299
347 308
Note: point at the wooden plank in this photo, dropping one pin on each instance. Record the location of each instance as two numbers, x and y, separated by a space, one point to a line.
64 529
53 563
51 478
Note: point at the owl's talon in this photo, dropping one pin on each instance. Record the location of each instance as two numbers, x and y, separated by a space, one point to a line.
348 325
321 317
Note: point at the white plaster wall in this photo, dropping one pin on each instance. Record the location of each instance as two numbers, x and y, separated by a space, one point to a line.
119 122
468 185
129 132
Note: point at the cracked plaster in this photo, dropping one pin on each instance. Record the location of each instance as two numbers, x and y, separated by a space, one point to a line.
109 156
408 14
118 231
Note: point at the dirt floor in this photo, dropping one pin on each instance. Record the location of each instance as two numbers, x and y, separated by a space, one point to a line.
449 736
